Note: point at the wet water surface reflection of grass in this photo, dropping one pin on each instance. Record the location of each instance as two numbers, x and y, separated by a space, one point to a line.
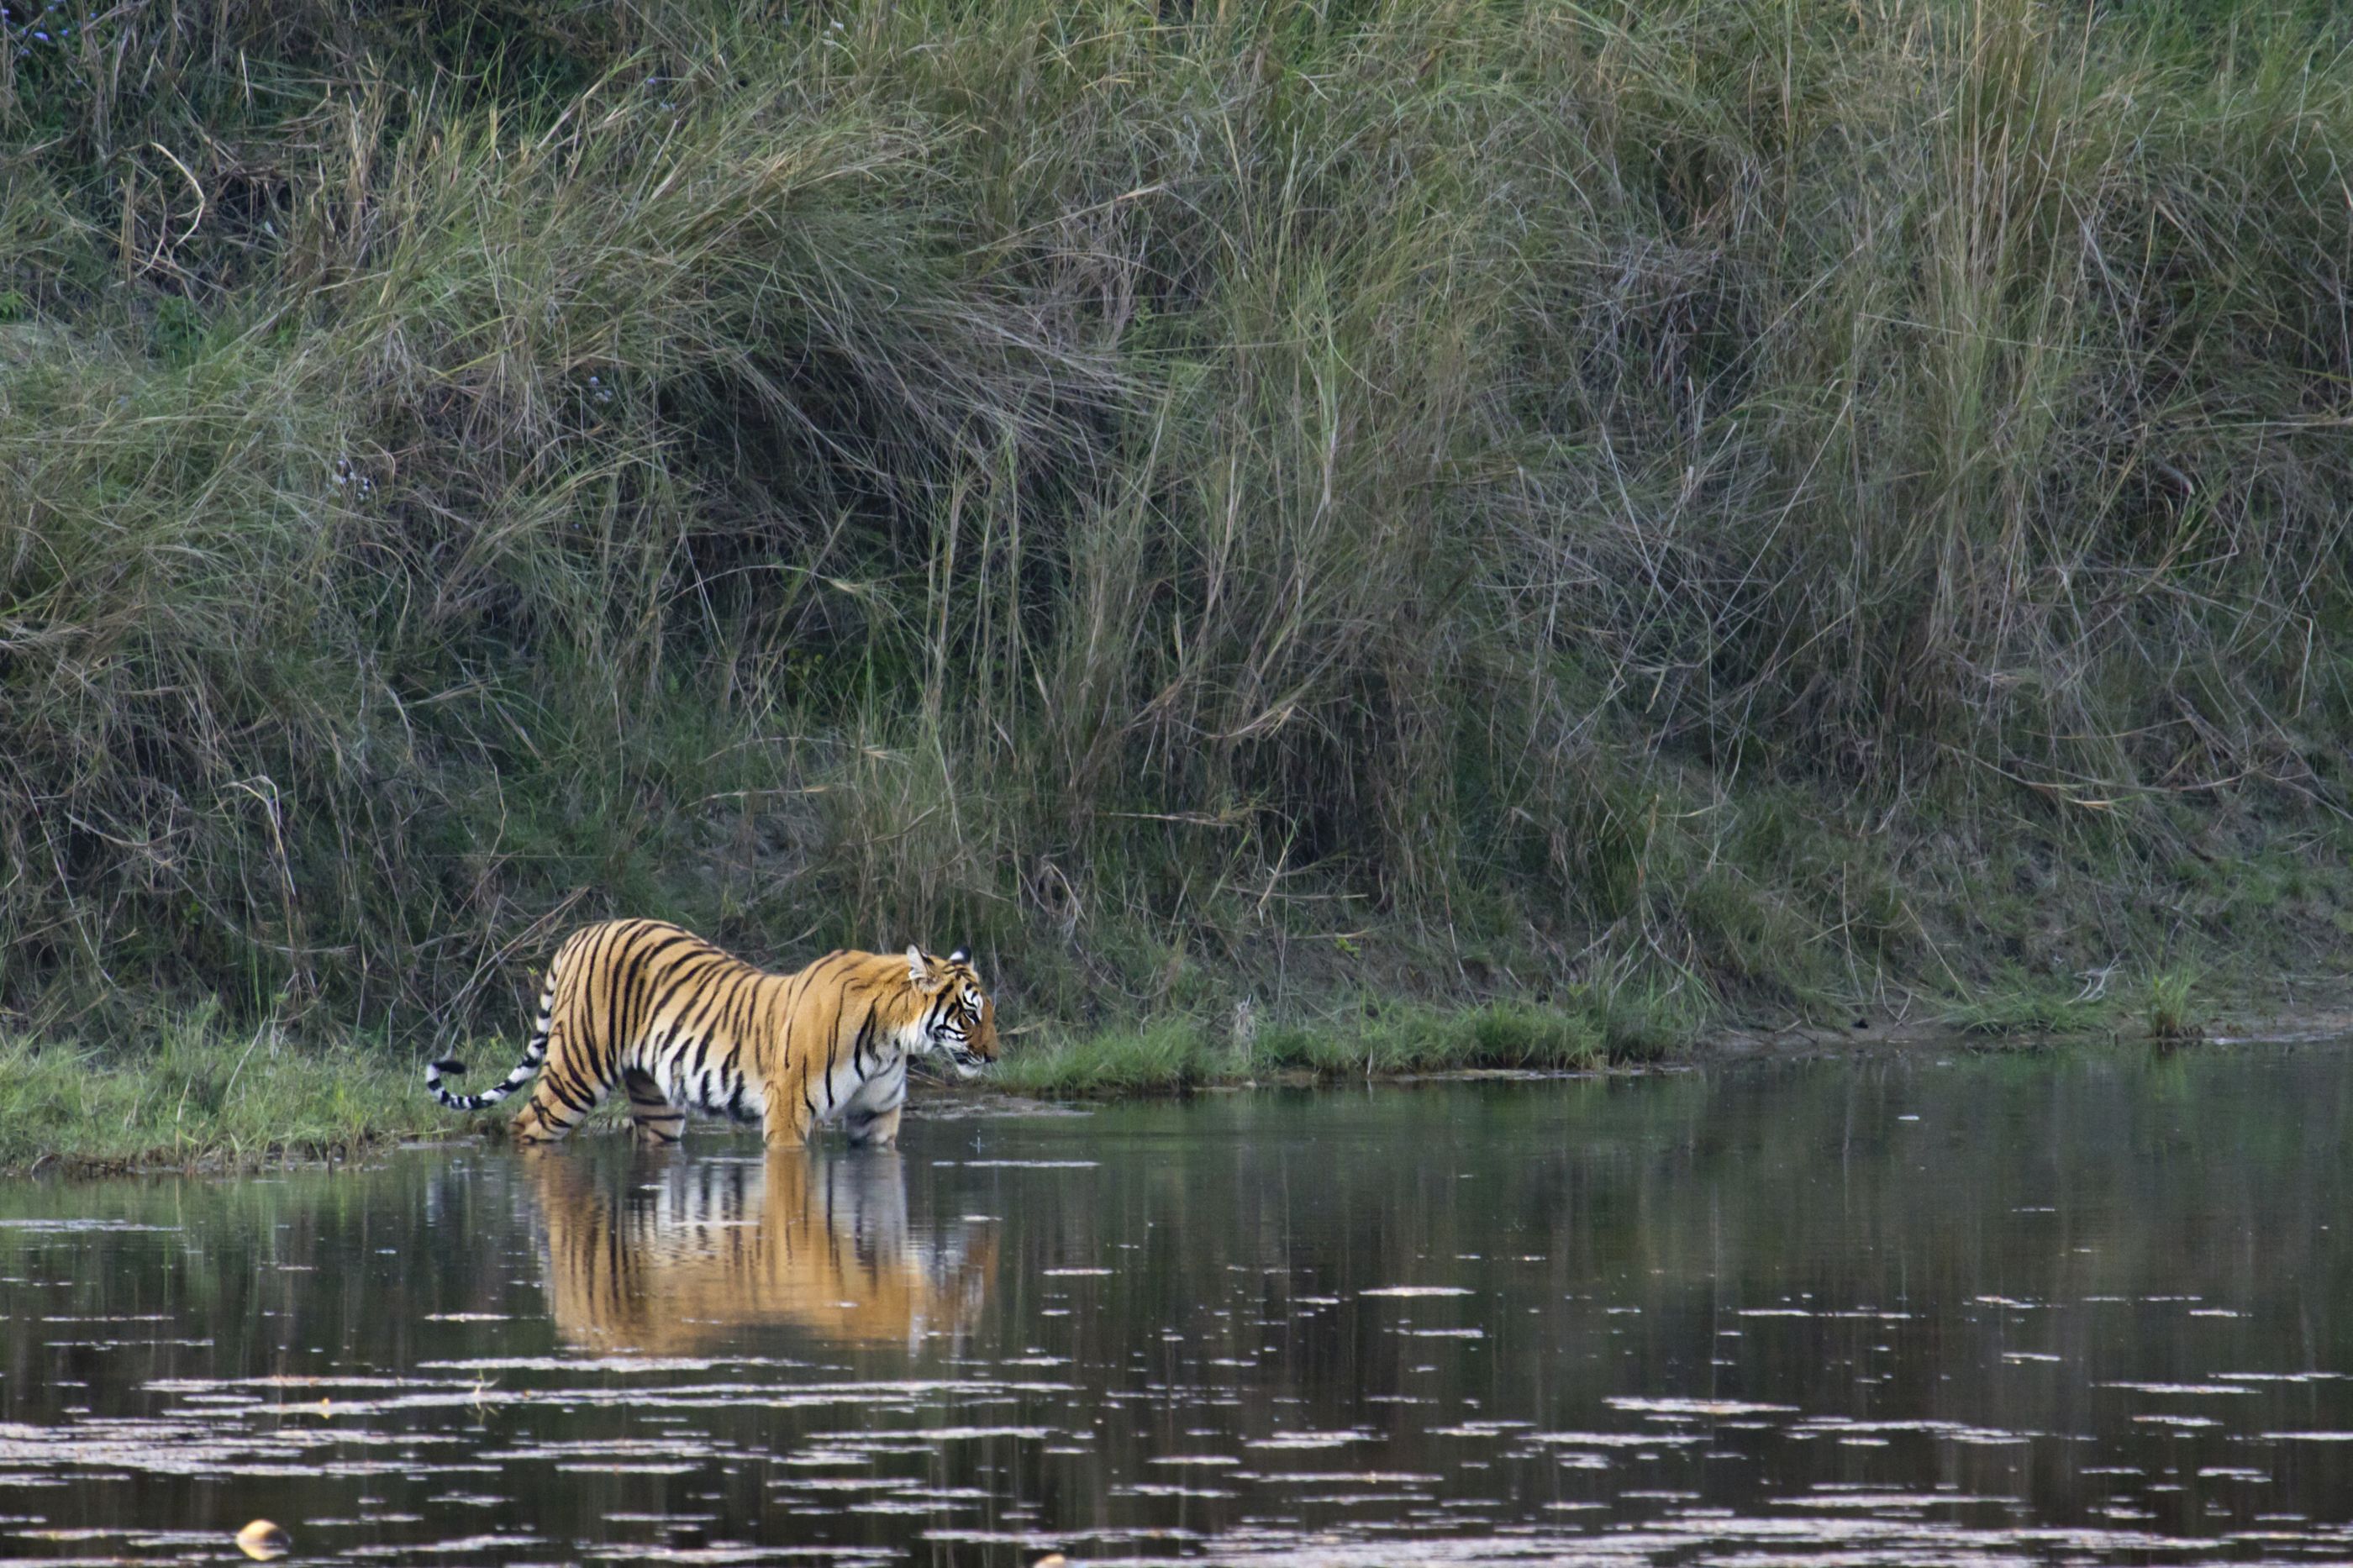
2078 1308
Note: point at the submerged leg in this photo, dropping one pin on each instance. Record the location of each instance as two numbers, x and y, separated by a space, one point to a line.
874 1109
786 1118
652 1118
874 1129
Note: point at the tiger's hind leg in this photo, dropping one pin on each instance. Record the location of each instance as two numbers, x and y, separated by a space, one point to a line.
652 1118
559 1100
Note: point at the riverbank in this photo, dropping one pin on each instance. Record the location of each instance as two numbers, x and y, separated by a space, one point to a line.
196 1094
203 1096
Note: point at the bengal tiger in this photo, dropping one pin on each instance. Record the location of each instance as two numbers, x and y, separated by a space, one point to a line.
683 1025
677 1256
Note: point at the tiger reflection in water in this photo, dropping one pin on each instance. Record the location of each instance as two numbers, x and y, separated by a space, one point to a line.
692 1252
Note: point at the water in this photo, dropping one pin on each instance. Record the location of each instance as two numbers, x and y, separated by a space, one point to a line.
2078 1310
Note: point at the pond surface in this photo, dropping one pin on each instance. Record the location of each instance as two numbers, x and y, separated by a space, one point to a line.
2080 1309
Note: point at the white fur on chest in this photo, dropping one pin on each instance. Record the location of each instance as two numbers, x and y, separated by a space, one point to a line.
881 1085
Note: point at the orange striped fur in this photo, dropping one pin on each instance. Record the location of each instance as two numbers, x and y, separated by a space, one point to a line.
682 1025
685 1256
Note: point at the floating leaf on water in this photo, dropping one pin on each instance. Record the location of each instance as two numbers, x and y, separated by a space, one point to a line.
1309 1439
2276 1376
262 1540
1865 1499
1611 1439
1698 1406
1847 1430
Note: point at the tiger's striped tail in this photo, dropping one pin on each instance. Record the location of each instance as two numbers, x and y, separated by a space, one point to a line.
533 1055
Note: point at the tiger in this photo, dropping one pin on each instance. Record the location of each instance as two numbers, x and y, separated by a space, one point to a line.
671 1257
683 1026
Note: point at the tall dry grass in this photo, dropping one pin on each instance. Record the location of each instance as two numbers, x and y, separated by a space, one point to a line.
1475 494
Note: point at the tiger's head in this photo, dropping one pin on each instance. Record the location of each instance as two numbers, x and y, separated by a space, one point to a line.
958 1018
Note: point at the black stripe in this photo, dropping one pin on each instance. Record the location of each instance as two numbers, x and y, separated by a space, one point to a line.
570 1075
632 985
597 941
696 1019
832 1049
559 1089
743 1010
755 1000
691 972
735 1008
833 1040
865 1034
614 987
737 1016
723 1010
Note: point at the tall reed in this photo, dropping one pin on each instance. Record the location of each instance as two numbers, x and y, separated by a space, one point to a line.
1192 498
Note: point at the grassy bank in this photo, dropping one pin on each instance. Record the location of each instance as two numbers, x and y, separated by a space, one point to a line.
199 1094
196 1093
1175 1054
1753 511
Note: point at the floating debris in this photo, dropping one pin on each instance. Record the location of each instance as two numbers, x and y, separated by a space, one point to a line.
262 1540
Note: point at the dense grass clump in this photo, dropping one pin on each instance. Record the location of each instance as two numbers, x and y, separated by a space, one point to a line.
200 1093
1167 1054
1694 499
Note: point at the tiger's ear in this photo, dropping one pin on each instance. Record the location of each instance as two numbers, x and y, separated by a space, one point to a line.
959 956
926 974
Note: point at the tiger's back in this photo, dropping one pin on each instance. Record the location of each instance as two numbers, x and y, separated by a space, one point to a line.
681 1024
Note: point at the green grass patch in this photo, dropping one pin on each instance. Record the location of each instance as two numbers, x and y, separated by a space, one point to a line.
1178 1053
2022 1005
2169 1005
1159 1057
194 1092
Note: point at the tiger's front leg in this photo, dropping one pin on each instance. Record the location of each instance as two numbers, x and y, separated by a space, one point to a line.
874 1129
873 1113
784 1118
